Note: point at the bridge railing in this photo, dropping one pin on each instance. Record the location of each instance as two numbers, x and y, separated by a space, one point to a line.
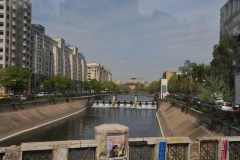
156 148
145 148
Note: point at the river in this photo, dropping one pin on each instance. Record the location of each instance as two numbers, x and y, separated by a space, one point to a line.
141 123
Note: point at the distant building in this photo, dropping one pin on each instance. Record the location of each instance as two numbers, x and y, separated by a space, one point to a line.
137 80
97 71
116 81
168 74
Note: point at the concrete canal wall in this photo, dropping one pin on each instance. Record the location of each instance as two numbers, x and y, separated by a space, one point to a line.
176 120
15 120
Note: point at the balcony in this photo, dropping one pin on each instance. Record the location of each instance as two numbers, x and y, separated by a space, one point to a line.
24 51
24 29
24 36
13 47
24 58
14 31
14 40
14 23
24 43
13 55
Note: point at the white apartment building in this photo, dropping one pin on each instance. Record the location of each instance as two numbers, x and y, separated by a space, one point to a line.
15 27
84 66
230 24
116 81
97 71
137 80
53 56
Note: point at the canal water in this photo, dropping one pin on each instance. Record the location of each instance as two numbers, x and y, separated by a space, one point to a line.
141 123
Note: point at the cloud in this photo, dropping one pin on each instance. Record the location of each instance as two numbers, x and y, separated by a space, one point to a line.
139 35
46 8
121 62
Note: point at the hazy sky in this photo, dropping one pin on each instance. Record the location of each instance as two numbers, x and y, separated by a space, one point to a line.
134 38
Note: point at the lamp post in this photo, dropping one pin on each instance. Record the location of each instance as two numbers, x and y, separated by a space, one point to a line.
14 82
181 87
56 85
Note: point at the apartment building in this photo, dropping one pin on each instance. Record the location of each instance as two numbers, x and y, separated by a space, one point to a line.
97 71
15 27
137 80
53 56
168 74
116 81
84 67
230 24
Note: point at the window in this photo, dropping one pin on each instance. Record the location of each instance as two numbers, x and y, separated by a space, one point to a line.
38 66
1 7
46 69
1 32
39 53
1 58
46 63
39 39
235 29
1 50
39 46
39 59
1 16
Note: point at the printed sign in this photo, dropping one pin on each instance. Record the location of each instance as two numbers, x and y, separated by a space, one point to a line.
224 149
161 150
116 147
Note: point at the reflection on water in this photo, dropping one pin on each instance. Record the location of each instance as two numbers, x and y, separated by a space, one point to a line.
141 123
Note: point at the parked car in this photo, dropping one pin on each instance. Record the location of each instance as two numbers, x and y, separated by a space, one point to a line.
236 108
4 96
224 106
23 97
42 94
30 96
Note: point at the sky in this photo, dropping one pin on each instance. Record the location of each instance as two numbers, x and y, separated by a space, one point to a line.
134 38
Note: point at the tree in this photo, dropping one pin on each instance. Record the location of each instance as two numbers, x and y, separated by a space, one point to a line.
213 89
92 84
110 86
187 69
198 72
22 77
222 59
154 87
58 82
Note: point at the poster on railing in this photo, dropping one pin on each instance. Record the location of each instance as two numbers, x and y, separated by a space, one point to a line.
224 149
116 147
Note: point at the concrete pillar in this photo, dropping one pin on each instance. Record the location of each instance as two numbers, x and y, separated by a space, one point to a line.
112 139
60 153
13 153
114 99
135 100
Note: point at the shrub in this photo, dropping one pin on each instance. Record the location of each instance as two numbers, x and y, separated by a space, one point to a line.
51 98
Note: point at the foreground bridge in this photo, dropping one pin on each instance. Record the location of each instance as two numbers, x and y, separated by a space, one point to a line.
112 142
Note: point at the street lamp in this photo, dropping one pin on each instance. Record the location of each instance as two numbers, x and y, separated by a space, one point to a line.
56 85
14 82
181 87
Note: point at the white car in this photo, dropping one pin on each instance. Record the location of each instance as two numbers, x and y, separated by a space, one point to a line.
42 94
224 106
